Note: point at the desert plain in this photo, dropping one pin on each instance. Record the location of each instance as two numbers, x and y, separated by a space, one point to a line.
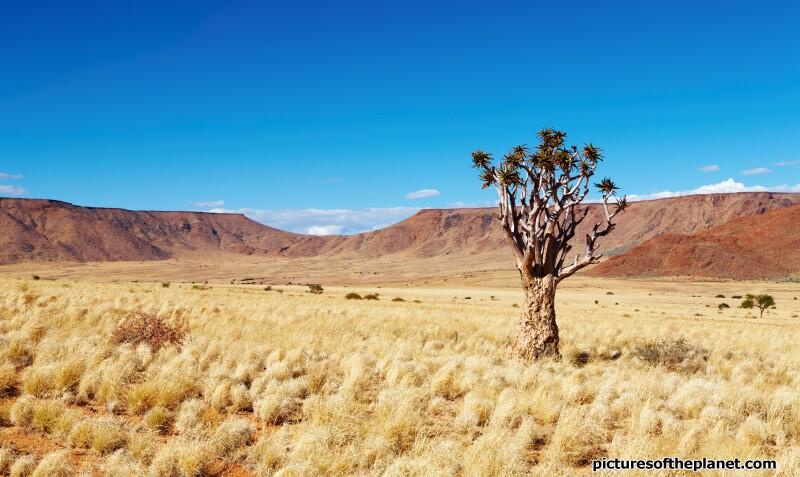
274 380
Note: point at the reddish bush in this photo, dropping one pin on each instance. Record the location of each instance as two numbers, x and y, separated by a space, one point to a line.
139 327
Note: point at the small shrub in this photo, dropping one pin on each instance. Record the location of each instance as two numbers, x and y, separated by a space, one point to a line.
609 293
164 284
353 296
315 289
398 299
468 298
268 288
720 296
674 355
371 296
723 306
199 287
736 297
36 277
139 327
579 359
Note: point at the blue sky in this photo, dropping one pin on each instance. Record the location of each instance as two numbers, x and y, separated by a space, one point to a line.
329 116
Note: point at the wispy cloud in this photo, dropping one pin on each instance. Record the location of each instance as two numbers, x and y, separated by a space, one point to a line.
325 230
709 168
7 176
728 186
326 221
12 190
422 194
209 203
787 163
755 171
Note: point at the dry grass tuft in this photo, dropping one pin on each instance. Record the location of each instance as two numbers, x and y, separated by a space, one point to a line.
23 466
673 354
6 459
54 464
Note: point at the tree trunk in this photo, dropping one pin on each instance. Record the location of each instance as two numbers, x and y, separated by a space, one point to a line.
538 331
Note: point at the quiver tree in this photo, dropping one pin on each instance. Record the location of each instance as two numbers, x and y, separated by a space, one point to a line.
539 193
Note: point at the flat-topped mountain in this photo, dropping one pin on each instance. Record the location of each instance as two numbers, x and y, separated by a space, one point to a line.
49 230
762 246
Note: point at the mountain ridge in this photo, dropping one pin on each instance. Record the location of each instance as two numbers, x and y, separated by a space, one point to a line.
52 230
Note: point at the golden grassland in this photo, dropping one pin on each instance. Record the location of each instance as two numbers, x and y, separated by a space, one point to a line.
284 382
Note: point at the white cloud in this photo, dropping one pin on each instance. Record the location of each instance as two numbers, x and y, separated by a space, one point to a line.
334 180
324 230
709 168
422 194
787 163
12 190
728 186
7 176
755 171
209 203
326 221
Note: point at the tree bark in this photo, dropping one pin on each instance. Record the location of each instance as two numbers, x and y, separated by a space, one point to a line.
538 332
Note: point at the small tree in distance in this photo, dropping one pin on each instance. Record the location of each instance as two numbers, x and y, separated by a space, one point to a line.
762 302
539 192
315 288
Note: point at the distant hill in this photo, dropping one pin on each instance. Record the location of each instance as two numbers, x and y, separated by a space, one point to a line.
762 246
52 230
49 230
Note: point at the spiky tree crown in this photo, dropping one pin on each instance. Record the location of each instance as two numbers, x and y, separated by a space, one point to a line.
539 190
